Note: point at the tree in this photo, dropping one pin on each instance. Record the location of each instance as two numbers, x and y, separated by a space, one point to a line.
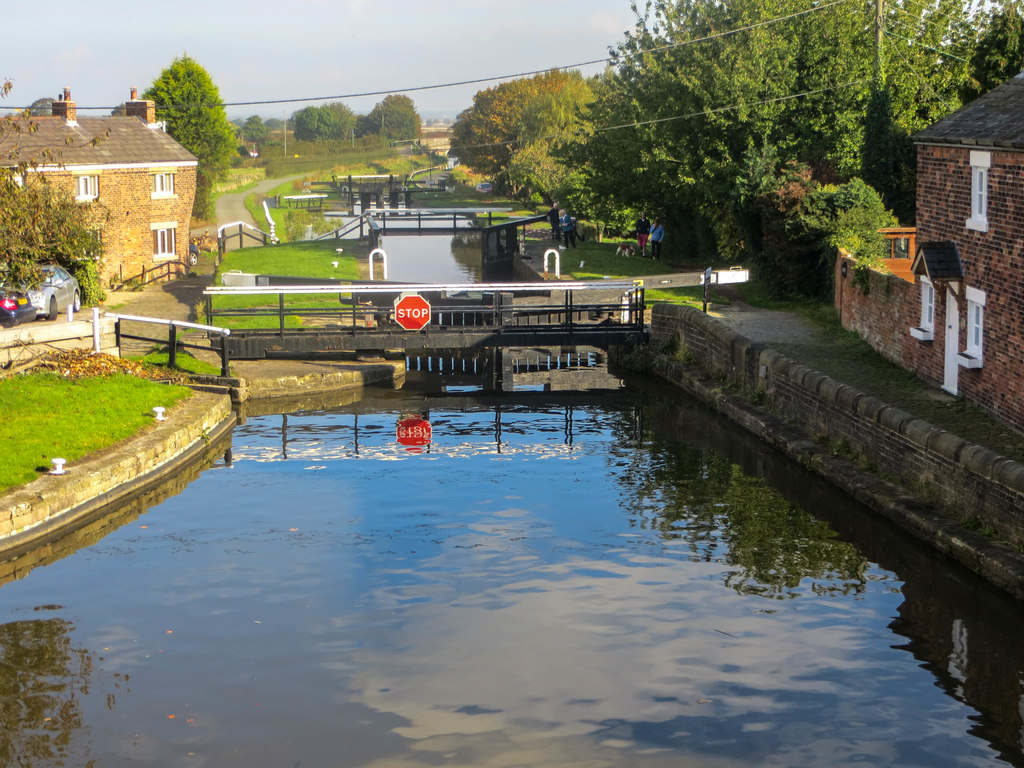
190 103
393 118
40 222
254 130
330 122
999 54
512 129
699 86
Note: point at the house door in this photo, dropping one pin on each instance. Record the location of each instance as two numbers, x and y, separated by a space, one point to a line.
951 368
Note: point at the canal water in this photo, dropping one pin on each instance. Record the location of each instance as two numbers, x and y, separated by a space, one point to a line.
604 578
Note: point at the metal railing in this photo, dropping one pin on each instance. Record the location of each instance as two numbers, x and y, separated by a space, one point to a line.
370 306
172 337
165 270
241 231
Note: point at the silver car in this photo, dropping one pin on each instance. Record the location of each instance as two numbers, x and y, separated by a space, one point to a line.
58 291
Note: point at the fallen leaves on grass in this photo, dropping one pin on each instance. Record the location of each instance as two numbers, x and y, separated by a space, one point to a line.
81 364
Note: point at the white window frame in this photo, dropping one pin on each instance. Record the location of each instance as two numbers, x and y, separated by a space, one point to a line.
163 184
973 356
164 243
925 331
980 164
87 187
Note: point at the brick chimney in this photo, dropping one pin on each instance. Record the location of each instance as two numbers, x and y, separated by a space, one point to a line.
141 108
65 108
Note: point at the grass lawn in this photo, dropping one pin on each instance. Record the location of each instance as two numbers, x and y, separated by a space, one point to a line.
46 416
306 259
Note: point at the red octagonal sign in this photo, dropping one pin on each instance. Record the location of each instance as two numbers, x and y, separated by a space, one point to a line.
412 311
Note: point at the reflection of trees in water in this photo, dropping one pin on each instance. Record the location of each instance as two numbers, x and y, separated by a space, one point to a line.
41 680
466 252
702 498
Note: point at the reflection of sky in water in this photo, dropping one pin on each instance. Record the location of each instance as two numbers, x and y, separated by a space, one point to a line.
315 605
432 258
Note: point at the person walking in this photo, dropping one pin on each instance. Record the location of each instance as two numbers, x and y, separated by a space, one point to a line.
657 236
643 231
568 228
555 219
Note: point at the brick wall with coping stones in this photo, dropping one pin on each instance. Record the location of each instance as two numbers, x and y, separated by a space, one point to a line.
958 475
127 197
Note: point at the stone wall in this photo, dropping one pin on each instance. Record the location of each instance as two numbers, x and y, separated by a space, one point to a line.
963 479
55 501
27 341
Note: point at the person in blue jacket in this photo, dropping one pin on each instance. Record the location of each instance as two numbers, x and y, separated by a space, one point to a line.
568 228
657 236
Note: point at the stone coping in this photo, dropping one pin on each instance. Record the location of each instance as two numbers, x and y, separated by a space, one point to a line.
54 502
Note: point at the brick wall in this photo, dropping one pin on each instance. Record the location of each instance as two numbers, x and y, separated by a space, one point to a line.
882 314
126 194
960 476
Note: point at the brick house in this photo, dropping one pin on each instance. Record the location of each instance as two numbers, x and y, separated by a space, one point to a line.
961 326
143 179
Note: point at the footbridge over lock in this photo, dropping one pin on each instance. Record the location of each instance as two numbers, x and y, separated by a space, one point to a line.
337 317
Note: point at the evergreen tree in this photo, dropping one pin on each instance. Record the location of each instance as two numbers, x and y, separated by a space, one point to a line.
187 99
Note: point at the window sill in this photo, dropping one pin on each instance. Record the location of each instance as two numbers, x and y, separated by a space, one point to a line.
163 196
969 361
164 257
978 225
923 334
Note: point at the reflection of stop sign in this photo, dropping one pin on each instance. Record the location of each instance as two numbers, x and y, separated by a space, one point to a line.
412 311
413 431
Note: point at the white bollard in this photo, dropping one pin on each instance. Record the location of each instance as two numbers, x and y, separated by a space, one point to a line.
558 260
159 411
58 466
71 313
383 262
95 330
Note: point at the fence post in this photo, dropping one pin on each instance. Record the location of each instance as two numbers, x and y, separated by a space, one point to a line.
280 312
117 334
224 367
172 343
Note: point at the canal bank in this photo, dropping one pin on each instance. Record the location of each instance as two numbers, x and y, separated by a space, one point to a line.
962 498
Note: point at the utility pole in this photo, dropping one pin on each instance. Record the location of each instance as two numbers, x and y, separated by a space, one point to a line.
879 29
284 114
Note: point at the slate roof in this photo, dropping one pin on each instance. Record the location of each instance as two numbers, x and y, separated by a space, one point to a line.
938 261
118 140
994 119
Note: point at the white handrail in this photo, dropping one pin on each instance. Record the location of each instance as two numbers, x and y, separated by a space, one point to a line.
162 321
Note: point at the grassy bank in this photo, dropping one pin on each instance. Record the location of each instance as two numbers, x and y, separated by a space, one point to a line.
47 416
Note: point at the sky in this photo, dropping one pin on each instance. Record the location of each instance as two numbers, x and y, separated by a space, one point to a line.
260 51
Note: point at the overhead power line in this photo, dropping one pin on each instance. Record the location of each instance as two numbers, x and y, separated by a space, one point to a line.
481 80
700 113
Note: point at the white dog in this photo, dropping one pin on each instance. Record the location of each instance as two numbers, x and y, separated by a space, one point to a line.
624 249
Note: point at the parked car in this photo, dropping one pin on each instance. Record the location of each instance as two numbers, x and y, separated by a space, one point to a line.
15 307
59 291
485 186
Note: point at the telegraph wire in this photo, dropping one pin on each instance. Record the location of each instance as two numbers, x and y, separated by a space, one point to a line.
478 81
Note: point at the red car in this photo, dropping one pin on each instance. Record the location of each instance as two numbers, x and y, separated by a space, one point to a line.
15 308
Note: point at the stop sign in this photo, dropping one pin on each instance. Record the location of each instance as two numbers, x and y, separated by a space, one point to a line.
412 311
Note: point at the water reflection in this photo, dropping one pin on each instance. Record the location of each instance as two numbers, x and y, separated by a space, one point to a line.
604 580
42 677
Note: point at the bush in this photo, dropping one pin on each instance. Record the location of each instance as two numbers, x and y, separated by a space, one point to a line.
88 275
